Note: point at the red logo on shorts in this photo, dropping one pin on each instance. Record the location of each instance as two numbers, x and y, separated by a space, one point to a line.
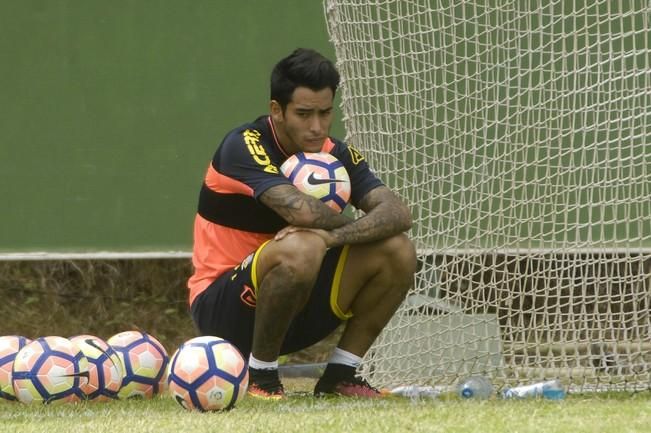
248 296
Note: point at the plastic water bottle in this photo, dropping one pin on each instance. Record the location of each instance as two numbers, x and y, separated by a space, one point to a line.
475 387
551 389
415 391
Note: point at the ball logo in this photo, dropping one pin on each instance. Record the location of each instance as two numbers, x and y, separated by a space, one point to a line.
80 374
92 343
26 354
216 395
313 180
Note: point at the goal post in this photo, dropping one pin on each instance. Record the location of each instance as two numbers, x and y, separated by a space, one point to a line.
519 132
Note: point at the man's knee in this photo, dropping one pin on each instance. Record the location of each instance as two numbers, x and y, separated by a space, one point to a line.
300 254
399 254
393 258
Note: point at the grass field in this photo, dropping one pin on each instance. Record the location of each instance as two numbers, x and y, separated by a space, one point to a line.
303 413
104 297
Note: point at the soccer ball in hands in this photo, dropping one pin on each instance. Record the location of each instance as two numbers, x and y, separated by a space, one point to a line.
144 363
9 347
320 175
50 370
207 374
104 367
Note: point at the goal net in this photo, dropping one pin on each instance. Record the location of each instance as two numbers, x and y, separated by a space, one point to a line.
519 132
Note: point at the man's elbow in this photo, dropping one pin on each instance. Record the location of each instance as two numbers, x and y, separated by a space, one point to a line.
406 219
302 219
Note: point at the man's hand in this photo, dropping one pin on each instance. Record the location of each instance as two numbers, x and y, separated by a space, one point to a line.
324 234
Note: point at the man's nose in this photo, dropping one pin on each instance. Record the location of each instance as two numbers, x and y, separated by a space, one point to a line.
315 125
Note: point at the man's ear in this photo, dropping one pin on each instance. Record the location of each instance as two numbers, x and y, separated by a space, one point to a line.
276 111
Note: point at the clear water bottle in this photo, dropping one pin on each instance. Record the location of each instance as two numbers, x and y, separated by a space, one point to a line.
478 387
416 392
551 390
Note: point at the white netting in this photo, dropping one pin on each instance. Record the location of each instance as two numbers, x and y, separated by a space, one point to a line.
519 132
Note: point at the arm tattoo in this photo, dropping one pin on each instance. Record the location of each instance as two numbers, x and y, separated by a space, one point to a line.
301 209
386 216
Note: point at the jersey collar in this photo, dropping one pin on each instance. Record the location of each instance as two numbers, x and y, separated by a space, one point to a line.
275 136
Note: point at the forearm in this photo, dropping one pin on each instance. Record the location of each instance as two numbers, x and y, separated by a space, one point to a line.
386 216
302 210
382 222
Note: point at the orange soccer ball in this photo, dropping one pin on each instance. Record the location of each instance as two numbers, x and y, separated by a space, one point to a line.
144 363
50 370
9 347
207 374
320 175
104 367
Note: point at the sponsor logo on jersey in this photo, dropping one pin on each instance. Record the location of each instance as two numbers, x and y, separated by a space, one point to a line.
355 155
252 140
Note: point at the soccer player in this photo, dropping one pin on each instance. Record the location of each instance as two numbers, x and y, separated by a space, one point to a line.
276 270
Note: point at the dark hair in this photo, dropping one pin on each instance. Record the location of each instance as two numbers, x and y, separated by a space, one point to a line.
303 67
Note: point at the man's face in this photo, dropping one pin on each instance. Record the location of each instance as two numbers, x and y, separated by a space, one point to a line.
305 124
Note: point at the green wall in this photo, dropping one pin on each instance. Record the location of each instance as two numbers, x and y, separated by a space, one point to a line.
110 112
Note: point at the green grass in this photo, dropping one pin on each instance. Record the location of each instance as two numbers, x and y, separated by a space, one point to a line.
104 297
305 414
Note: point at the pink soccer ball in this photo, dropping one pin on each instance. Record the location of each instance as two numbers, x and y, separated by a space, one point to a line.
320 175
104 367
207 374
144 364
50 370
9 347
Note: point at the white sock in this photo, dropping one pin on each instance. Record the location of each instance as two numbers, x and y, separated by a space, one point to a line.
340 356
262 365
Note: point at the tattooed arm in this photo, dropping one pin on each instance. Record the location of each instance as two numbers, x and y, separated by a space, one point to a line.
386 216
301 210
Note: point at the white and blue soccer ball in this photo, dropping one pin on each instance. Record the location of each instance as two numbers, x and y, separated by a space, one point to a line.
50 370
144 364
104 367
207 374
320 175
9 347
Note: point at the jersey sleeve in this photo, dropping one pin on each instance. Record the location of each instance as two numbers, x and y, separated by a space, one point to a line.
362 179
243 158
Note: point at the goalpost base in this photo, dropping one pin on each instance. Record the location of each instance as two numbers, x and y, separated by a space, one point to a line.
434 347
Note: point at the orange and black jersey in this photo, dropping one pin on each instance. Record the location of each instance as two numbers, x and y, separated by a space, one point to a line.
247 164
231 223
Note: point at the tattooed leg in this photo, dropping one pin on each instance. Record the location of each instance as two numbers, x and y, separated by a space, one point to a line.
287 270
